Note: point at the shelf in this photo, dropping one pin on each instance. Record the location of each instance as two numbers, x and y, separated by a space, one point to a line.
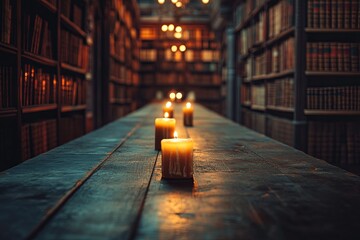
258 107
7 48
39 59
119 81
48 5
39 108
73 108
72 26
246 104
117 58
311 112
280 36
72 68
280 109
8 112
331 30
329 74
271 76
121 101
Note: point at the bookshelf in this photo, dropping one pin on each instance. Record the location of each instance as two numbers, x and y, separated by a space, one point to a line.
123 57
298 63
42 74
196 69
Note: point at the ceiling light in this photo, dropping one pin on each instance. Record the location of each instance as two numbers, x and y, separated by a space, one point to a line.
178 29
171 27
177 35
164 28
182 48
174 1
178 4
161 1
173 48
205 1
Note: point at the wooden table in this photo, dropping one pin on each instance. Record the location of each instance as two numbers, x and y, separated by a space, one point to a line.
107 185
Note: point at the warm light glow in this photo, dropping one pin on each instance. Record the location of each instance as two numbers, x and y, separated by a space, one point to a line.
175 134
171 27
178 4
177 35
179 95
205 1
168 104
182 48
173 48
178 29
161 1
166 115
174 1
164 28
188 105
172 96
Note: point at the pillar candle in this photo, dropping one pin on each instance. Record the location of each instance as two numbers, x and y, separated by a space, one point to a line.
164 128
169 109
177 158
188 111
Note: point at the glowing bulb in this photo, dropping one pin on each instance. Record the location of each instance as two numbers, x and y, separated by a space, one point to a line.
172 96
173 48
174 1
175 134
161 1
177 35
178 29
182 48
168 104
179 95
164 28
171 27
205 1
178 4
166 115
188 105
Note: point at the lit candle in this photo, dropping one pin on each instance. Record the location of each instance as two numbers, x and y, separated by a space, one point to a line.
188 111
164 128
169 109
177 158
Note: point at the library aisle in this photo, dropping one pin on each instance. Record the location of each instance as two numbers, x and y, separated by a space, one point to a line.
264 95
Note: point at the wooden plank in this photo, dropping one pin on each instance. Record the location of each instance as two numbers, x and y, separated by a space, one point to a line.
107 205
31 190
248 186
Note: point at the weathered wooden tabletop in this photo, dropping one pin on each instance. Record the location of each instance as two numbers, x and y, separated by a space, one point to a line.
107 185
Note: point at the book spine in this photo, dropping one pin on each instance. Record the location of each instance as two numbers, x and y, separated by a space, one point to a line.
333 57
316 13
354 13
347 14
334 14
340 15
321 57
340 57
322 12
327 14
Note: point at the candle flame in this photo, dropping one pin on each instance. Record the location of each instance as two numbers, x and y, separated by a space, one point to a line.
188 105
168 104
166 115
175 134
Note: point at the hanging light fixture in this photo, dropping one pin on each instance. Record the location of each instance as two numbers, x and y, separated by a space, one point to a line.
171 27
177 35
173 48
182 48
161 1
205 1
164 28
178 29
178 4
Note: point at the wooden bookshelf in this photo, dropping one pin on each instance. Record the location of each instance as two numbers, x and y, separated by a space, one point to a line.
314 102
36 93
195 69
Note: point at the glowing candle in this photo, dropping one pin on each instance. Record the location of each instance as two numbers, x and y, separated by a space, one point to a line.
164 128
188 111
177 158
169 109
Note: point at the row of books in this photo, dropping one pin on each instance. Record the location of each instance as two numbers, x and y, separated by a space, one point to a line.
118 92
281 17
74 12
38 137
7 80
73 91
254 120
148 55
8 143
123 11
334 14
37 37
207 94
245 94
7 20
203 79
73 50
202 67
261 63
258 95
71 127
336 142
280 93
280 129
39 86
334 98
333 56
